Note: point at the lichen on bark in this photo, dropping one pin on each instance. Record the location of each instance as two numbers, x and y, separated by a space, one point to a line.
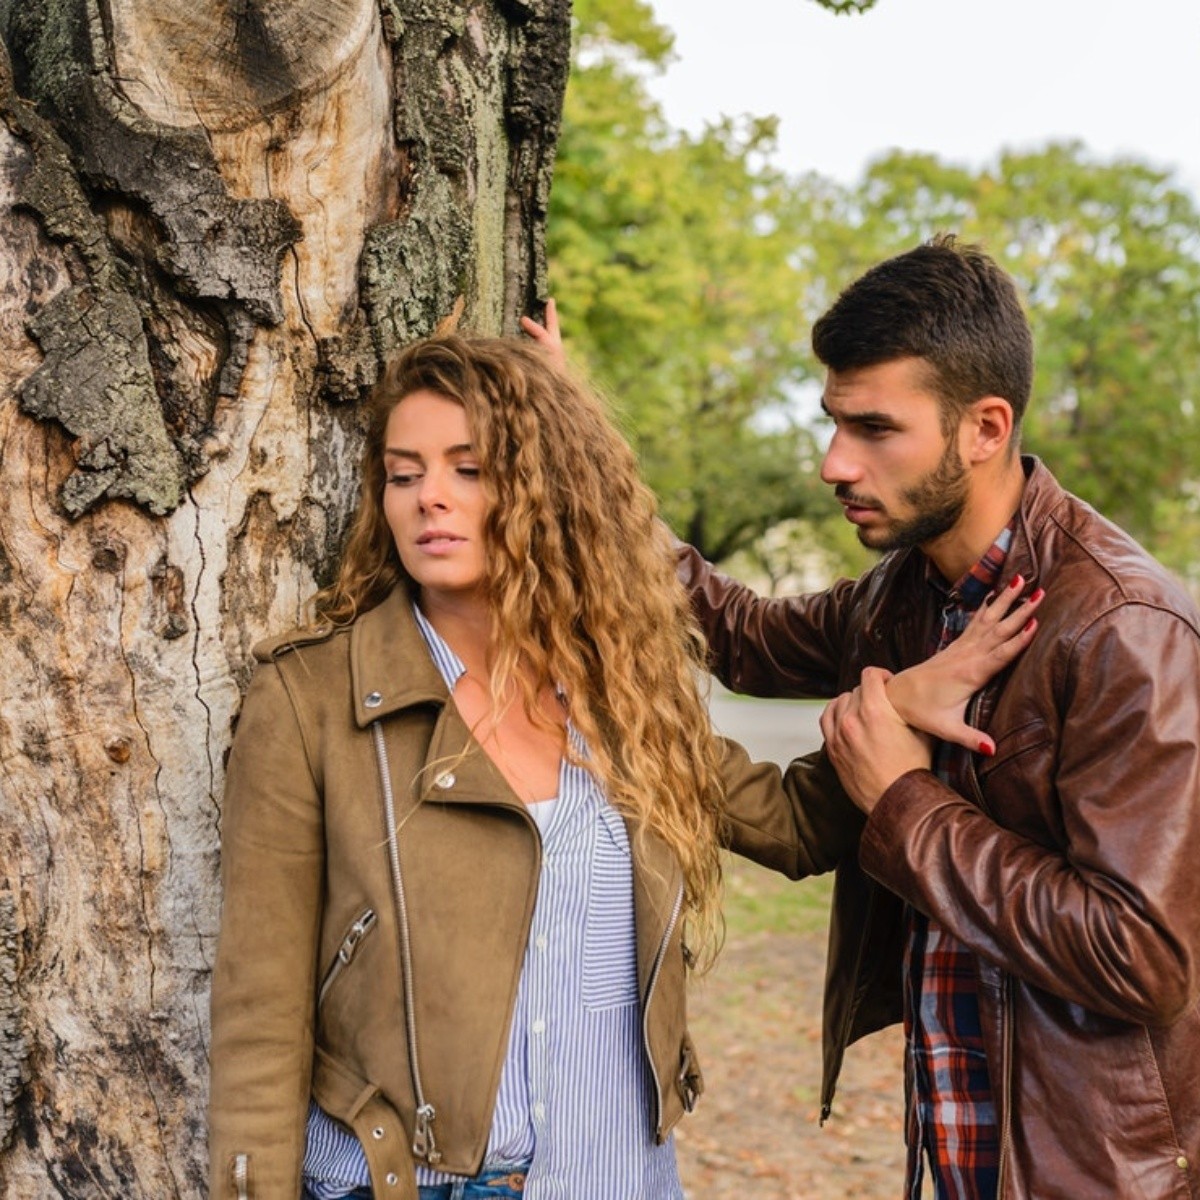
478 99
14 1047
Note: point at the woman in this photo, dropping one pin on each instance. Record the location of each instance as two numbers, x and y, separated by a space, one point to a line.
472 819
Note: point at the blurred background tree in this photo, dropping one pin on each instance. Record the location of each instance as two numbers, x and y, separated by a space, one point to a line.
678 261
690 270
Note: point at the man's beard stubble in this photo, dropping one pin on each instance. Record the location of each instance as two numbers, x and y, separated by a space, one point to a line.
937 501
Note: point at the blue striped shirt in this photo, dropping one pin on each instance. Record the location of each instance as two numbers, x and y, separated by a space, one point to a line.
576 1093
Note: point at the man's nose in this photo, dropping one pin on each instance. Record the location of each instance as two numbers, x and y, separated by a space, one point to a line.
838 465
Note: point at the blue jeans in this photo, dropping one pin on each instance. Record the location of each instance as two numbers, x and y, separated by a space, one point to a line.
505 1181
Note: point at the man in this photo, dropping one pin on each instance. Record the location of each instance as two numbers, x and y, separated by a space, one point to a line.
1032 913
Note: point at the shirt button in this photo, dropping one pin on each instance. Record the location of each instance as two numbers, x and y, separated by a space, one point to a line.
539 1111
445 780
540 941
372 700
539 1026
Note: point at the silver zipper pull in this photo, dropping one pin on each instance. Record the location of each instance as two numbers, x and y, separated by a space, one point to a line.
241 1176
357 932
424 1145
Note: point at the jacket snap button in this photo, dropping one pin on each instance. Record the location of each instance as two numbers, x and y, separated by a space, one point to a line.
1181 1163
372 700
377 1132
445 780
393 1179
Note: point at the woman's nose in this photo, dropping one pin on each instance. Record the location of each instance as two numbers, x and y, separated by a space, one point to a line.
431 493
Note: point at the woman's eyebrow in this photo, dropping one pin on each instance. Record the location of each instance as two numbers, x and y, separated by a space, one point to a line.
401 452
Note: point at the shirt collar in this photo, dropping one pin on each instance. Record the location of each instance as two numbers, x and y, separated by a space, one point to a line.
451 669
981 579
449 665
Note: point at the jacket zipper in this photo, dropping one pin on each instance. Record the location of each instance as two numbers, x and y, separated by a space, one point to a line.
1006 1052
241 1176
973 707
424 1145
844 1035
654 974
347 950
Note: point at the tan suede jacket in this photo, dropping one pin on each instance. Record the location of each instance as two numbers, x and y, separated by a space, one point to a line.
1072 869
349 958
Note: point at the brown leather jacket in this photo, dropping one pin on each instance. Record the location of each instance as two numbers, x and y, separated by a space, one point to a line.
1072 870
348 960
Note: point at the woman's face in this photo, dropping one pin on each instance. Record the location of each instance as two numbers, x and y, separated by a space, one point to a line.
433 499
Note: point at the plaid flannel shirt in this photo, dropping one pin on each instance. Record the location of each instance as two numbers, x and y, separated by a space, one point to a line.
951 1113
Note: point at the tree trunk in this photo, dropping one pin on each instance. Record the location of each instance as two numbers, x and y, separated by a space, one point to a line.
217 217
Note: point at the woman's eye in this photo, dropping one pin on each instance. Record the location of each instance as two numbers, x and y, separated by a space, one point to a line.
468 472
403 478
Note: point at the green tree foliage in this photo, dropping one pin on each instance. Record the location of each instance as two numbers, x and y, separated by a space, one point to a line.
676 259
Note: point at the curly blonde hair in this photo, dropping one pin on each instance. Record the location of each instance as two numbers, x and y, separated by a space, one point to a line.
581 581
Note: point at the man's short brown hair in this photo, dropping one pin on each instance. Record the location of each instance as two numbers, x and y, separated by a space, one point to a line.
944 302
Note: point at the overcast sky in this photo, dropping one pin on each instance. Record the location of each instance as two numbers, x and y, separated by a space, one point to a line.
961 78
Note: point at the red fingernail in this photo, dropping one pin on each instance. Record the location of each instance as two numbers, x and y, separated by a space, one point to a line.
987 748
1016 582
1030 625
1038 594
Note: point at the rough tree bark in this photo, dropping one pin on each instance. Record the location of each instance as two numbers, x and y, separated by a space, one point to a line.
216 218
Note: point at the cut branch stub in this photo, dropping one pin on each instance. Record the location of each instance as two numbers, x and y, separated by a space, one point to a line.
173 273
226 63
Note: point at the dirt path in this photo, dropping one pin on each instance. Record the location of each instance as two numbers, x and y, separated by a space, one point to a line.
756 1021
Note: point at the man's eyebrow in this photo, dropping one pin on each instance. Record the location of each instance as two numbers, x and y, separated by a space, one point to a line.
867 417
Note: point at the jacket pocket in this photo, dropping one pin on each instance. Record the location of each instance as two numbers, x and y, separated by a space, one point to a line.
1013 744
363 924
1017 784
610 943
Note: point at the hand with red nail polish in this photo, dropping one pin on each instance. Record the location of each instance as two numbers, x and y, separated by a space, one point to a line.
933 695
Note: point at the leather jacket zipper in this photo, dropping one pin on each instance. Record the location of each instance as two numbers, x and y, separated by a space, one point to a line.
844 1033
346 951
424 1145
1006 1043
972 713
654 974
240 1170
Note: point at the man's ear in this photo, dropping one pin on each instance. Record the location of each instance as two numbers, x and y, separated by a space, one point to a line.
987 429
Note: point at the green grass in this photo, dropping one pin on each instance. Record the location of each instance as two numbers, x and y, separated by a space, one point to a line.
761 901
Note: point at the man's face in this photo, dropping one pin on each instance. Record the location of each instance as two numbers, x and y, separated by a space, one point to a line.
900 478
